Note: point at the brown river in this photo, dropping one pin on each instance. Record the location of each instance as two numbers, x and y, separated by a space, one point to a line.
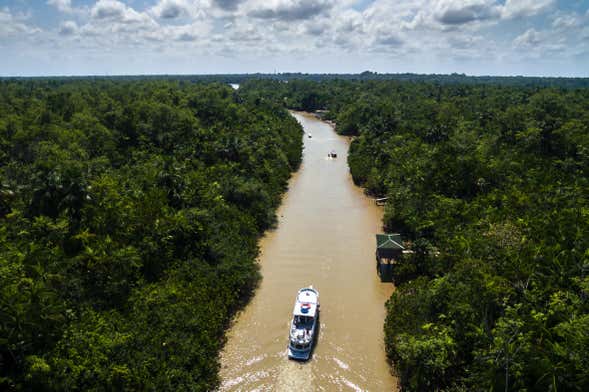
325 237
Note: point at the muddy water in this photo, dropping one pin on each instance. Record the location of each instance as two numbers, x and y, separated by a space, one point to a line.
325 237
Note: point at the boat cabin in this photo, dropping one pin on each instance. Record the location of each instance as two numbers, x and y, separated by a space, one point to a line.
305 306
389 248
303 322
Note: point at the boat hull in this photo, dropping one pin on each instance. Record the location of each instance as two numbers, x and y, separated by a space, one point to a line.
300 355
305 324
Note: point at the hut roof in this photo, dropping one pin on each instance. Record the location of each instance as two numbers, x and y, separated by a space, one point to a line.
389 241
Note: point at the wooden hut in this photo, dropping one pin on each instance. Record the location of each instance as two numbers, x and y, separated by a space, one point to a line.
389 247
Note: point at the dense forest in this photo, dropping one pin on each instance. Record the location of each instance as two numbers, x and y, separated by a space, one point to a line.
129 218
455 78
488 183
130 210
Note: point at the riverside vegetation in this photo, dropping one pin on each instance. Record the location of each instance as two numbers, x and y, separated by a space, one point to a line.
489 182
130 212
129 217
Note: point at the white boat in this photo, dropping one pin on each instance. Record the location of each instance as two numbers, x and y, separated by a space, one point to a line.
304 324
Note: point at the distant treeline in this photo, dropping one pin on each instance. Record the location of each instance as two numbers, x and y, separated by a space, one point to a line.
129 218
443 79
489 184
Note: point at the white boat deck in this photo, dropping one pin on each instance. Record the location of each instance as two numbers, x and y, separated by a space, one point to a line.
306 303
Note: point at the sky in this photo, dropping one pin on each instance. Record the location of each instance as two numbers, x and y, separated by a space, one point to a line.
475 37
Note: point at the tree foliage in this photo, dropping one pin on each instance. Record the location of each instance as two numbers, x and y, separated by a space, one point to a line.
129 219
490 184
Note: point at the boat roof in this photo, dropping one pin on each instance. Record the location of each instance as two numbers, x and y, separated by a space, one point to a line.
306 303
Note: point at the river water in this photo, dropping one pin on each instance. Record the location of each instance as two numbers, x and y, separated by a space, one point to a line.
325 237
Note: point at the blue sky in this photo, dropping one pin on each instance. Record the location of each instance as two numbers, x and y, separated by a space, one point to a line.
476 37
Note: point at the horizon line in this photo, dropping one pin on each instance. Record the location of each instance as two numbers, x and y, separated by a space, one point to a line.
366 72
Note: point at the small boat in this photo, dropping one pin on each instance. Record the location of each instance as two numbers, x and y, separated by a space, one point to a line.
332 154
309 135
304 324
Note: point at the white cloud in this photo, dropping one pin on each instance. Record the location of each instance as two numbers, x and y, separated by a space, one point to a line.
415 32
434 16
62 5
109 9
288 9
315 28
195 32
228 5
181 9
68 27
525 8
466 42
173 9
566 22
529 39
14 25
114 11
243 32
349 21
455 12
389 39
